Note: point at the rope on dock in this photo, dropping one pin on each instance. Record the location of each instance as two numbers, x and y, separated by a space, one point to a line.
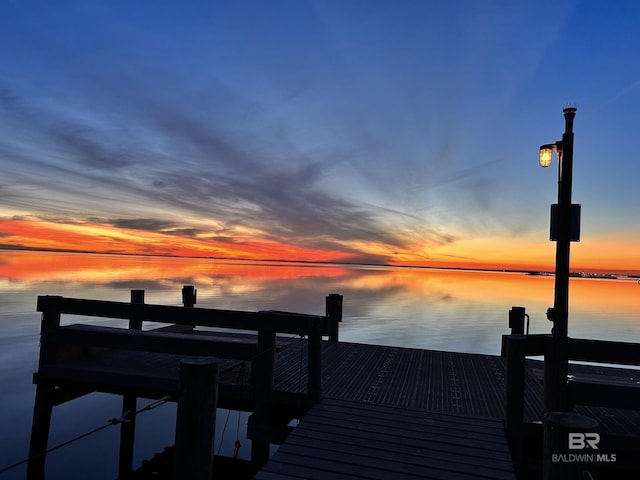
126 417
240 383
238 445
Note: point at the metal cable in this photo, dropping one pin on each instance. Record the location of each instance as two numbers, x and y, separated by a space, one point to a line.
126 417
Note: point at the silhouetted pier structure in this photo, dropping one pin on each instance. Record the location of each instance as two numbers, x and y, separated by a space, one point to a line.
596 390
366 408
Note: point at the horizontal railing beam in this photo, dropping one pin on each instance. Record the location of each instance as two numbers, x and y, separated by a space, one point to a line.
532 345
603 351
282 322
149 341
604 395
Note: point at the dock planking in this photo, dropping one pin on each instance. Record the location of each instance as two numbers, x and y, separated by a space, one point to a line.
347 440
449 382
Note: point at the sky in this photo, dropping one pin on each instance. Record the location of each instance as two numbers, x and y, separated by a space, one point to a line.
398 132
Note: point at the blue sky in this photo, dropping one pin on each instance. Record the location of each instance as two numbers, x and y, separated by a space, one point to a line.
392 131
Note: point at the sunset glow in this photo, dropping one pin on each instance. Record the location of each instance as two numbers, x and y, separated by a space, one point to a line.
319 132
107 239
602 255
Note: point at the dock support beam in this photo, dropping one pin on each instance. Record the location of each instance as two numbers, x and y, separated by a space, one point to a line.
514 401
43 405
260 421
189 293
129 405
42 410
196 418
333 311
314 372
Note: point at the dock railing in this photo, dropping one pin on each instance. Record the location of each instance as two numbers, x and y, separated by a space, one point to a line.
60 343
588 390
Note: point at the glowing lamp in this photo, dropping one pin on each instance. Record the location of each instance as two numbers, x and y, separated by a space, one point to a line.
546 154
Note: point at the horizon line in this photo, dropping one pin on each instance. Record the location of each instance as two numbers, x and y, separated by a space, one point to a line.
316 262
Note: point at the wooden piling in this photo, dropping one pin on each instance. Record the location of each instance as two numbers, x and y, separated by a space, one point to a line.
189 293
263 379
514 399
314 373
42 410
43 404
135 321
516 320
196 418
333 309
129 406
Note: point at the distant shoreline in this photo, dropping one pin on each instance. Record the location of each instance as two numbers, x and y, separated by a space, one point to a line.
612 276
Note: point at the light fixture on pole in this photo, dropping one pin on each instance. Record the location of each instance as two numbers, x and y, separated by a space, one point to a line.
546 154
556 359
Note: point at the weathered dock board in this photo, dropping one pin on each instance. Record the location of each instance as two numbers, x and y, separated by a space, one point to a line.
340 439
451 382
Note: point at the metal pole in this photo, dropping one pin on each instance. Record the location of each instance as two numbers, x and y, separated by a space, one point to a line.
557 400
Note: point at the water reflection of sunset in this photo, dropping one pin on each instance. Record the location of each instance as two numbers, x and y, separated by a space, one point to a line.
599 294
401 302
416 283
28 266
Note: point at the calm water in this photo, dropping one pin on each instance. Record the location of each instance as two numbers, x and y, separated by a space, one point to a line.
416 308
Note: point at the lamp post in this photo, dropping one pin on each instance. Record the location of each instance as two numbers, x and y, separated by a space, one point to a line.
556 360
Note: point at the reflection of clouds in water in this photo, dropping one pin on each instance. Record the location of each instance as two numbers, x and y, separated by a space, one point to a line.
439 310
420 308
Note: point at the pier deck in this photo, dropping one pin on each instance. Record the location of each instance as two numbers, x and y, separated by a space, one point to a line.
287 371
449 382
347 440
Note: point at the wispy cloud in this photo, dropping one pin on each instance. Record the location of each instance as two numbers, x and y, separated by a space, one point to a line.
364 134
224 176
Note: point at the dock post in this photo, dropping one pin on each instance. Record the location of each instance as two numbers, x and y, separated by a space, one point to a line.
43 404
189 293
555 399
41 423
314 364
516 320
514 401
333 309
260 421
129 406
196 418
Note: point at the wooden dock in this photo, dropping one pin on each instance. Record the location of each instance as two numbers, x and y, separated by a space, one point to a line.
344 440
364 408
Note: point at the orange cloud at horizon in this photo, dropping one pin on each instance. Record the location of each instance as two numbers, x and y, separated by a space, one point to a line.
597 254
107 239
594 254
27 266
